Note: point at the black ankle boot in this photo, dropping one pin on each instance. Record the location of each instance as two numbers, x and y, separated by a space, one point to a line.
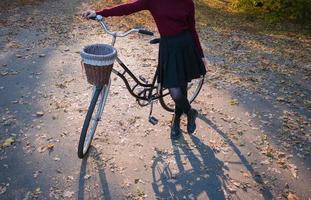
191 116
175 129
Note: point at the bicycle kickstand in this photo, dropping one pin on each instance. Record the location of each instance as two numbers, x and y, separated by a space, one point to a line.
151 118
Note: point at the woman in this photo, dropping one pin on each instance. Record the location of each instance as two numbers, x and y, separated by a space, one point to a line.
181 58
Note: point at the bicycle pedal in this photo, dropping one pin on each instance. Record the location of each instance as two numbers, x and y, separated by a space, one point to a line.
153 120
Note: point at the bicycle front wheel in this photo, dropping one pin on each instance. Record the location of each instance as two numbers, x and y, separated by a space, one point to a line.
193 89
92 118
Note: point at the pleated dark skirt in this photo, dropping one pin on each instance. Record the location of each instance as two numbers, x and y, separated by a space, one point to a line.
179 60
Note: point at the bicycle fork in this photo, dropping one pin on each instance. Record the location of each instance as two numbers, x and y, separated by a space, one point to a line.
102 99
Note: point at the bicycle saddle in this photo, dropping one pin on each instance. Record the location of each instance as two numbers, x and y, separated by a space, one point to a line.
155 41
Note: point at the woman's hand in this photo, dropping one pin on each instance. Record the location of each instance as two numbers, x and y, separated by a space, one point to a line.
88 14
205 63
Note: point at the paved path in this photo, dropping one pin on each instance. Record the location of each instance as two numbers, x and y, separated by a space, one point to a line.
253 136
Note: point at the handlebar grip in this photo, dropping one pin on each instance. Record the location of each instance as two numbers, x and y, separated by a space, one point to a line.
97 18
142 31
93 18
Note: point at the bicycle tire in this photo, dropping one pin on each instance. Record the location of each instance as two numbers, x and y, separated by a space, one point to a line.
197 88
88 132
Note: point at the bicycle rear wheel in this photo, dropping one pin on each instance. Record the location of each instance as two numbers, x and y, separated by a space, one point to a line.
194 88
92 118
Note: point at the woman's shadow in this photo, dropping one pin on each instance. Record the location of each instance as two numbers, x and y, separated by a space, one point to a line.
199 173
265 191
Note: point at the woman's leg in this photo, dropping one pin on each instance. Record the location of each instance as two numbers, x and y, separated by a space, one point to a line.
182 105
179 95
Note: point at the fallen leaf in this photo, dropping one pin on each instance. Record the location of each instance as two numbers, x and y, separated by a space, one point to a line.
36 174
234 102
281 162
87 176
50 146
293 169
60 85
231 190
68 194
126 183
39 114
307 104
263 137
8 142
281 155
265 162
56 159
42 149
245 174
141 193
2 189
4 73
292 196
236 183
14 44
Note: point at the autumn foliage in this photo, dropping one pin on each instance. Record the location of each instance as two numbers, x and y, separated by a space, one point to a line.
275 10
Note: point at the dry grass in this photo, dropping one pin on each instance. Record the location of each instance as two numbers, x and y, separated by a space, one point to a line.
26 2
11 4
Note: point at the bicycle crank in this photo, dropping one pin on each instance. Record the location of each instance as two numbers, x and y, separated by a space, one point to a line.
153 120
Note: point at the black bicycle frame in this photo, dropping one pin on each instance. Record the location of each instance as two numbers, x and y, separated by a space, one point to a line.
146 93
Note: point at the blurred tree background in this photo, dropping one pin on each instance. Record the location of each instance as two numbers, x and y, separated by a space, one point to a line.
277 16
276 10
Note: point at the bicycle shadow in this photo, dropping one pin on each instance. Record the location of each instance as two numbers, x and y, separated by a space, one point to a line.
202 173
93 157
265 191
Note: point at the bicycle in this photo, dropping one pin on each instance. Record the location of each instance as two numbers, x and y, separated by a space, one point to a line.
150 92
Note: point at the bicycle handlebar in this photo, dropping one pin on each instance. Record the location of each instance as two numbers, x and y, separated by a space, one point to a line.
100 19
146 32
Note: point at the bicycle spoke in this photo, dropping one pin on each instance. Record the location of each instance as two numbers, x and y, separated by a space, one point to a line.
93 117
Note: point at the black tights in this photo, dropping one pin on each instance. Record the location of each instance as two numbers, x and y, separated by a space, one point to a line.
179 95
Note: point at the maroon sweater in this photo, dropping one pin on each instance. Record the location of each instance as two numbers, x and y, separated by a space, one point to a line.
171 16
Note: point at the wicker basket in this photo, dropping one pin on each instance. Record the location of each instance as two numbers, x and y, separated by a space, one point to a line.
97 60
